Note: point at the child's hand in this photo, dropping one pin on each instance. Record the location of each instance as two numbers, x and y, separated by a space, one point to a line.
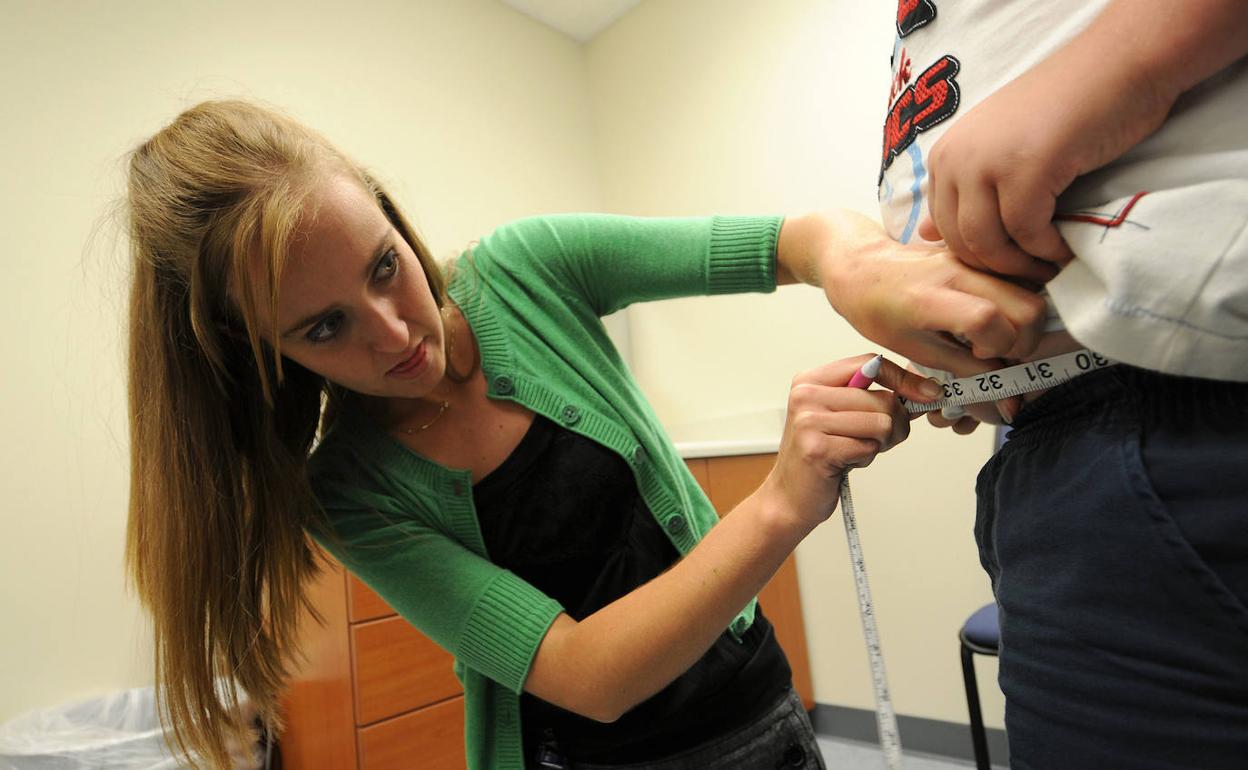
996 173
830 428
962 423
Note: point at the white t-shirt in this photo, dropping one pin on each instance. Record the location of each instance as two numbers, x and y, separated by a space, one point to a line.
1160 280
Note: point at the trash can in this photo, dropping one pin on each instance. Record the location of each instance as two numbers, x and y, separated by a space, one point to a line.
119 731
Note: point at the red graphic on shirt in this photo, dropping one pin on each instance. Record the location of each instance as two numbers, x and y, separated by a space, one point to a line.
901 78
1116 219
932 99
912 14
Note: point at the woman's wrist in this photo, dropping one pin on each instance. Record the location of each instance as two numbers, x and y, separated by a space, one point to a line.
822 250
781 517
840 267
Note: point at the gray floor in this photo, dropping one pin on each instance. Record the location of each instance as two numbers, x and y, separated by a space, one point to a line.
851 755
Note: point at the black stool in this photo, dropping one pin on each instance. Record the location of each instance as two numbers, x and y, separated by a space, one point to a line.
980 634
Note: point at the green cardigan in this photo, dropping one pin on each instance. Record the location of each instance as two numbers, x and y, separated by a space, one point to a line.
533 292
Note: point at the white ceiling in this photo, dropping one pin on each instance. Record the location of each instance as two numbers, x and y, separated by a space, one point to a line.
578 19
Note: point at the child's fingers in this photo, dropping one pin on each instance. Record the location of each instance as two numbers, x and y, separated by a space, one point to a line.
1004 229
943 209
927 229
1028 218
965 425
983 234
961 425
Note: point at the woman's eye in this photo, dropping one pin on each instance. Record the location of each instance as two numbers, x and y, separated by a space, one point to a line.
388 265
325 329
328 327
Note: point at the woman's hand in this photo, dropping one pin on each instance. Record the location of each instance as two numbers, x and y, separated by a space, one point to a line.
830 428
916 299
921 302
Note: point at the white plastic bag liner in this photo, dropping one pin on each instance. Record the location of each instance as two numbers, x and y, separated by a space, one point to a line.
119 731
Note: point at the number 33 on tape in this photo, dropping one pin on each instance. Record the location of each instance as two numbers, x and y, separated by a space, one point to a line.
1014 380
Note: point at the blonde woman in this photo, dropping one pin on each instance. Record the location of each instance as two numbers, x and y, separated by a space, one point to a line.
472 446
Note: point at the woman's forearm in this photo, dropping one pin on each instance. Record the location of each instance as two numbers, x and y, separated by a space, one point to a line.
629 650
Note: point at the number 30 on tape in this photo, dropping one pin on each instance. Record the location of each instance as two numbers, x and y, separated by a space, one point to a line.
1013 380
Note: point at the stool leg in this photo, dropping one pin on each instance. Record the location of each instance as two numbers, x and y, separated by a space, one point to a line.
978 739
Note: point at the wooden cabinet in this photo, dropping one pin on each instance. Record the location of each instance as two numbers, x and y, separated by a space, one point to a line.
376 694
392 745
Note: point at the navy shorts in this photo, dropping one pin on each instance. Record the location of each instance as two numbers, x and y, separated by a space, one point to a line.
1114 526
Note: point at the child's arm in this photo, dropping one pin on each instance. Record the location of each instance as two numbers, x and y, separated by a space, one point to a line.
996 174
602 666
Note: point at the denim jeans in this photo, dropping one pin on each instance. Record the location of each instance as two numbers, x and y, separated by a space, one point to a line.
781 738
1114 526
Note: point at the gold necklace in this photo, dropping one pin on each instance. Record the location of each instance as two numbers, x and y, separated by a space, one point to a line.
442 407
441 410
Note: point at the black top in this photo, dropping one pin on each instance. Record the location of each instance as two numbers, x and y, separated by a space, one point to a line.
564 513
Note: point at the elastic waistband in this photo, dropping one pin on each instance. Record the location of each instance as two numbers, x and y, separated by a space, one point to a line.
1126 392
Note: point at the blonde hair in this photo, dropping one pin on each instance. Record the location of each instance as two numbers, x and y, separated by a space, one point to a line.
220 424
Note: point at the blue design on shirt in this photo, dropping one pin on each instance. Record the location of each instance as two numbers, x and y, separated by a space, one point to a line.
916 191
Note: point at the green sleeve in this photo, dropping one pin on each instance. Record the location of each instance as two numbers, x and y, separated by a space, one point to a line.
613 261
488 618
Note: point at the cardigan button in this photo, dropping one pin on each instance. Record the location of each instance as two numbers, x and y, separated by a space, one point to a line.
739 626
504 385
675 524
639 455
570 415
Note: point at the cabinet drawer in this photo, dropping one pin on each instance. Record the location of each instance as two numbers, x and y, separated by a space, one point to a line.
364 604
397 669
431 739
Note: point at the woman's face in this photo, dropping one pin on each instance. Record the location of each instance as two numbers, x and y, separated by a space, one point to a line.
355 306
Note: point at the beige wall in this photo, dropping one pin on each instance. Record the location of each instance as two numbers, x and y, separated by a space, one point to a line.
735 106
472 113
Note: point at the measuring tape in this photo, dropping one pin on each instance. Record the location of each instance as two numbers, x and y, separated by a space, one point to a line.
989 386
885 717
1012 380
